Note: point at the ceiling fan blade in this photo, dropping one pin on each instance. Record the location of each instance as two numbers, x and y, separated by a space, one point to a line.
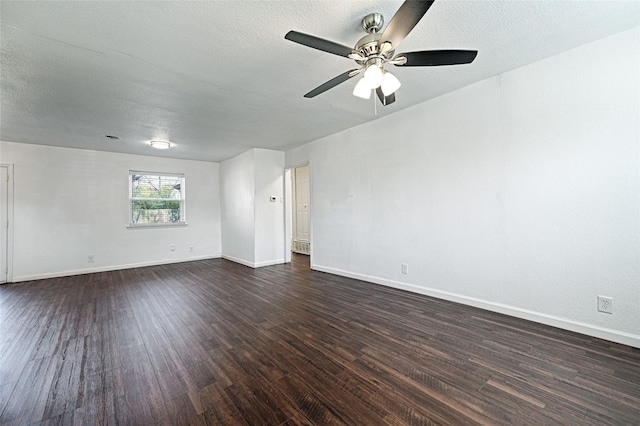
403 21
319 43
331 83
386 100
432 58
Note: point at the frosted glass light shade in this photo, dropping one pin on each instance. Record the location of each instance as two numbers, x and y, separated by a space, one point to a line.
389 83
362 89
160 144
373 76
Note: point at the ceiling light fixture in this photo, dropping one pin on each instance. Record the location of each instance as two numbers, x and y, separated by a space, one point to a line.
373 76
160 144
376 77
362 89
389 84
378 48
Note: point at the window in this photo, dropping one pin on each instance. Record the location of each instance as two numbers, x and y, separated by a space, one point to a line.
156 199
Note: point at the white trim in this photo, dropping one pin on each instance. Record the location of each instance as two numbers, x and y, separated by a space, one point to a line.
294 205
142 172
305 163
253 264
621 337
290 205
155 225
269 263
111 268
9 248
238 260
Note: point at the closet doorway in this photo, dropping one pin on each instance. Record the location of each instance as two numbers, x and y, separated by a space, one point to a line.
301 223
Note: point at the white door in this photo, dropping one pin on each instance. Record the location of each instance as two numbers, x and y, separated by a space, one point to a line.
302 204
4 220
301 239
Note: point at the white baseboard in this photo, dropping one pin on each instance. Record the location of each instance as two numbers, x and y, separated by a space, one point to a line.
621 337
238 260
253 264
269 263
109 268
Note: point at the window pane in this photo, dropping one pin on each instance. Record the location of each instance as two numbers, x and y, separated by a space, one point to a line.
150 186
156 199
155 211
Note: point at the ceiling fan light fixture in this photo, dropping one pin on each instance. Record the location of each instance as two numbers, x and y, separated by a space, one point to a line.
373 76
160 144
362 89
389 84
377 49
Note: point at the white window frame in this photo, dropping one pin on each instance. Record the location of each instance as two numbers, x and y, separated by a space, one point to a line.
182 200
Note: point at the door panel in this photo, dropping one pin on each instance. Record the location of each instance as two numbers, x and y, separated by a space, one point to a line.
302 204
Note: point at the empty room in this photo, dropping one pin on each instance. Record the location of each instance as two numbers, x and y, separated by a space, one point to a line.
313 212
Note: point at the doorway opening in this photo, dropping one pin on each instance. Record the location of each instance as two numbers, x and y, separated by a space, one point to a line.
298 214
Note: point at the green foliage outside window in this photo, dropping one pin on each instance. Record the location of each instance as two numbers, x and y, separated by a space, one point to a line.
156 199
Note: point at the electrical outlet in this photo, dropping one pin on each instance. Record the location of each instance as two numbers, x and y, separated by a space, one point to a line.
605 304
172 247
405 268
191 249
91 258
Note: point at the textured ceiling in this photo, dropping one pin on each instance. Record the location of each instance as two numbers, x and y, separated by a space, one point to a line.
217 78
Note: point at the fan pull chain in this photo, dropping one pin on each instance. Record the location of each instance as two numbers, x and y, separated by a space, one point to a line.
375 104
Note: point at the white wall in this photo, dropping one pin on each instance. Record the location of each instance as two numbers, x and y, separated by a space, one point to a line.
299 156
269 216
518 194
252 225
72 203
238 198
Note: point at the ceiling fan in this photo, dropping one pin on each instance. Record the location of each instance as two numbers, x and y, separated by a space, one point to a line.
375 50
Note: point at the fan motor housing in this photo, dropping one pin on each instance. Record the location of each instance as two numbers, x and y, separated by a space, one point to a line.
368 46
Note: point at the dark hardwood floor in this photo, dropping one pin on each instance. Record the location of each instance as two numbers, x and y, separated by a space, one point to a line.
214 342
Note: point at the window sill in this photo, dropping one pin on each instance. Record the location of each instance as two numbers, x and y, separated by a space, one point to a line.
155 225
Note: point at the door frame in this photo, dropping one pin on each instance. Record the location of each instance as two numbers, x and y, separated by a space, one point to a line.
9 247
289 197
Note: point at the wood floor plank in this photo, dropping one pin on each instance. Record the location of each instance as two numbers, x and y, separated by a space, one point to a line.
216 343
99 402
28 400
